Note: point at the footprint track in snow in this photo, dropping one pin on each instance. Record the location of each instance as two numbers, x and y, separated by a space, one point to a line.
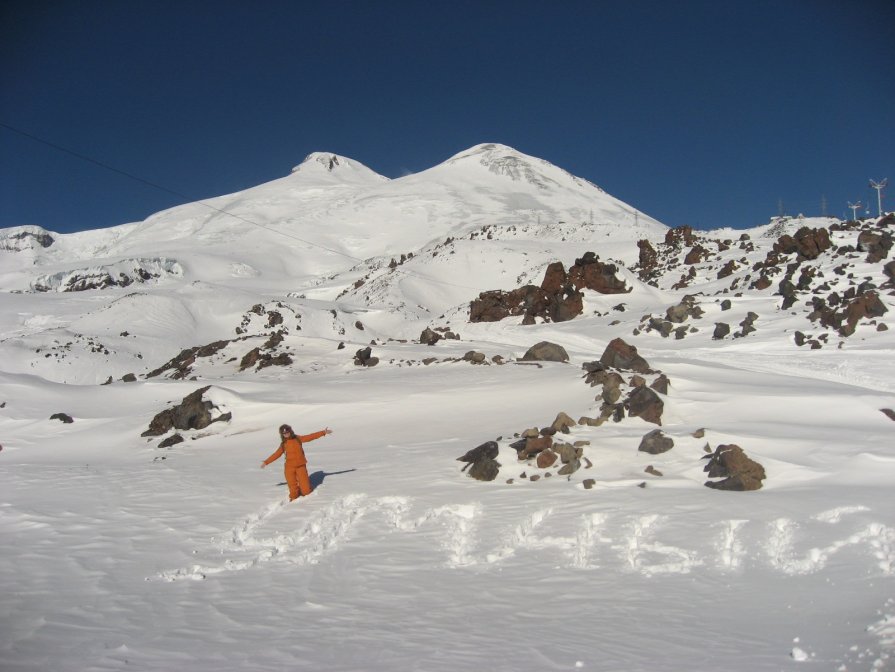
632 543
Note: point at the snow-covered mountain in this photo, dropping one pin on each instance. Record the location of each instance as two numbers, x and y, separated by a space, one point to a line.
403 314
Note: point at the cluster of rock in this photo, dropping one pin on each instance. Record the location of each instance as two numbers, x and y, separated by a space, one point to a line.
559 298
193 412
840 311
634 397
653 264
539 449
180 367
430 336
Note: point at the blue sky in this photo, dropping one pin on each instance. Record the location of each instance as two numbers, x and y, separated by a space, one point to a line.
701 113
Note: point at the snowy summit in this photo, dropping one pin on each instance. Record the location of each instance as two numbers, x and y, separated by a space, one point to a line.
564 435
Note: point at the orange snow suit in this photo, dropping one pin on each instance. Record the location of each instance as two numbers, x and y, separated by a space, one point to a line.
296 469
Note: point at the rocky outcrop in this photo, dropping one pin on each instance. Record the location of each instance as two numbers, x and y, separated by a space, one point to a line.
806 243
181 365
558 299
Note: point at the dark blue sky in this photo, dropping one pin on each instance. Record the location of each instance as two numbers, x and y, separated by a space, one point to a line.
706 113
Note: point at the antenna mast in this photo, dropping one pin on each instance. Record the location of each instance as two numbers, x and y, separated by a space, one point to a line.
879 186
854 208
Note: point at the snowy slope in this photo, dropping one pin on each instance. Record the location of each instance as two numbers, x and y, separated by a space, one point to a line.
122 554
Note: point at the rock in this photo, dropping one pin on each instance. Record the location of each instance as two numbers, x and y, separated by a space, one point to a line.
172 440
889 413
588 483
535 445
644 403
475 357
589 272
568 453
570 468
181 365
64 417
889 271
807 243
680 236
648 260
488 450
656 442
364 357
129 378
621 355
484 469
429 337
738 471
661 384
877 245
546 352
562 423
722 329
546 459
652 470
192 412
555 278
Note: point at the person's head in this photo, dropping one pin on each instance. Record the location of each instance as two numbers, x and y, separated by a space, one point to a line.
286 432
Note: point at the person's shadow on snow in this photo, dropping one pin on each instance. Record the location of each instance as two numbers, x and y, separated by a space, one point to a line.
318 477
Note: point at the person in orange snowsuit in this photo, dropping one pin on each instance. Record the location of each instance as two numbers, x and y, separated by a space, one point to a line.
296 463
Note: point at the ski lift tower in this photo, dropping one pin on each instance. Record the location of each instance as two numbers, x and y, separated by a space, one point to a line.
879 186
854 208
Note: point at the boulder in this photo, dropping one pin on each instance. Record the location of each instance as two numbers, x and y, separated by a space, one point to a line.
481 463
364 357
656 442
546 352
193 412
429 336
546 459
555 278
562 423
172 440
62 417
533 446
485 470
644 403
876 245
489 450
621 355
807 243
738 472
589 272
